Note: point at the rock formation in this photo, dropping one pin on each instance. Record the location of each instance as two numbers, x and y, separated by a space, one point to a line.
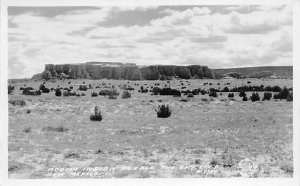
129 71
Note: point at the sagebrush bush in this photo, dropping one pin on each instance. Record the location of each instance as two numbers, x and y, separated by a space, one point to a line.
255 97
97 116
126 94
163 111
190 95
225 89
230 95
203 92
55 129
94 94
290 97
31 92
111 96
108 92
58 92
19 102
46 90
245 98
242 93
83 88
276 89
267 96
213 94
66 93
27 129
10 89
284 93
42 86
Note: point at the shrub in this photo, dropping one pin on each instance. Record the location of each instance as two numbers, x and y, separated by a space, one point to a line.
82 94
276 89
66 93
225 89
42 86
190 95
156 90
245 98
268 89
57 92
203 92
28 111
129 88
10 89
176 93
108 92
290 97
19 102
284 93
267 96
255 97
242 94
230 95
163 111
45 90
213 94
97 116
83 88
144 91
31 92
111 96
94 94
27 129
126 94
55 129
276 96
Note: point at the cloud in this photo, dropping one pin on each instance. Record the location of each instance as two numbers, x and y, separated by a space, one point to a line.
216 36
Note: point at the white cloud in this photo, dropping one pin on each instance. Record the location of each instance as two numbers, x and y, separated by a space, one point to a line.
192 36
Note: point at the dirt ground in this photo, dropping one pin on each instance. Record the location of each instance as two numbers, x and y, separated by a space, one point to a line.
203 137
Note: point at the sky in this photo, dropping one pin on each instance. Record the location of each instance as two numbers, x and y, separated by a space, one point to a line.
215 36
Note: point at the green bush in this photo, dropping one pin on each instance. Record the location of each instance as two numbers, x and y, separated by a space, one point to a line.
10 89
290 97
242 93
55 129
245 98
58 92
126 94
83 88
19 102
163 111
267 96
231 95
109 92
94 94
255 97
27 129
97 116
213 94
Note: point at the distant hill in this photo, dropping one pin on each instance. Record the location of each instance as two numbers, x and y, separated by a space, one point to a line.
258 72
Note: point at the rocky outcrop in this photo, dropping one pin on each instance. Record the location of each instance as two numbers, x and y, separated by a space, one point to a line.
130 71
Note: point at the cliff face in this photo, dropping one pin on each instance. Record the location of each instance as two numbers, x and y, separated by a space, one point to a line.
98 70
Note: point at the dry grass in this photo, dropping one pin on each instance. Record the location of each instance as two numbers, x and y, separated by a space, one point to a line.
199 131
